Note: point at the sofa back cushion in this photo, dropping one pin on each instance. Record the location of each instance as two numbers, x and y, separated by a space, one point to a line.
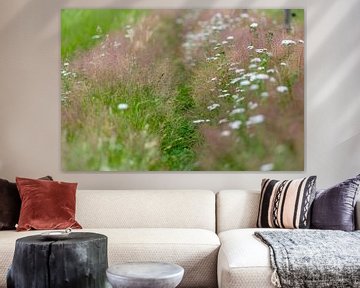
236 209
146 209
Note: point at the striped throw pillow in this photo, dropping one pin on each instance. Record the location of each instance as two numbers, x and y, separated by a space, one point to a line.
286 204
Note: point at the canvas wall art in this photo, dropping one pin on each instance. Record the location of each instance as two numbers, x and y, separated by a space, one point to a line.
182 90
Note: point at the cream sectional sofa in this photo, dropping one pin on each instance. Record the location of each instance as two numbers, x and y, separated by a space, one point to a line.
177 226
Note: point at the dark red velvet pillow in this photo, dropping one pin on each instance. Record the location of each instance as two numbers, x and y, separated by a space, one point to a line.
10 204
46 204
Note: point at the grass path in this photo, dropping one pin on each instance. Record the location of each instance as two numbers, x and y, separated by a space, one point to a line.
183 91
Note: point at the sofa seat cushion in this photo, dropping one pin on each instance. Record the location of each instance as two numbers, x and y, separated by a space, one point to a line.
244 261
194 249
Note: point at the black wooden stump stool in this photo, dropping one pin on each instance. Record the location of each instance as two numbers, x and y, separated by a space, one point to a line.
79 261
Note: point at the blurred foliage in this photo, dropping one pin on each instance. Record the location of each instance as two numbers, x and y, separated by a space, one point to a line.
83 28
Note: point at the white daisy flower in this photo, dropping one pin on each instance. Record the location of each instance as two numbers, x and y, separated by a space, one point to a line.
257 119
288 42
225 133
198 121
267 167
213 106
255 60
245 83
237 111
260 50
123 106
254 87
235 124
233 81
238 71
262 76
282 89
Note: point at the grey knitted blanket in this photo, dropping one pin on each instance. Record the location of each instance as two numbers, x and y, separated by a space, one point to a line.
313 258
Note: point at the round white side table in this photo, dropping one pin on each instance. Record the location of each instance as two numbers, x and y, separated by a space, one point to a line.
145 275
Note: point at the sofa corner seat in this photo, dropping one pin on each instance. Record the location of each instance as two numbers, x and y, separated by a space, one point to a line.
243 261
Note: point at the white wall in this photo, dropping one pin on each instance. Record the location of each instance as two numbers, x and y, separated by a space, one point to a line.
30 89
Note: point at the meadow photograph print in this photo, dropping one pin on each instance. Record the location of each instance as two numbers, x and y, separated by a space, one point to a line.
182 90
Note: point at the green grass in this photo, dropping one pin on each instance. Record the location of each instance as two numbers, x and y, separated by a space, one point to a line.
148 125
79 26
278 14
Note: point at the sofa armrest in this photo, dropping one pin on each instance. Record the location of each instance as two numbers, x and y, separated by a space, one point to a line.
357 215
